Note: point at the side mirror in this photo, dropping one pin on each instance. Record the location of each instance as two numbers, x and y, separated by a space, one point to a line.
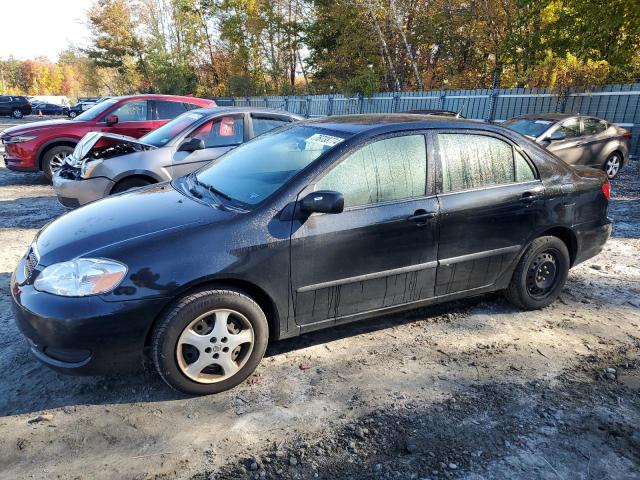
555 136
191 145
323 201
111 120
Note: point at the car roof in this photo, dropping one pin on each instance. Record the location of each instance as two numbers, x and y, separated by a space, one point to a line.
548 116
156 96
217 110
395 121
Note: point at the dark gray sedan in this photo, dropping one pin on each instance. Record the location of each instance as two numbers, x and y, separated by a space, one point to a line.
577 139
103 163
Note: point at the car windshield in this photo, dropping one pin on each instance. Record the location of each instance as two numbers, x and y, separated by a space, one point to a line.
163 135
96 110
532 127
252 172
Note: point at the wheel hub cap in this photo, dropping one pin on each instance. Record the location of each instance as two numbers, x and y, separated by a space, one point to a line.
613 165
214 346
542 274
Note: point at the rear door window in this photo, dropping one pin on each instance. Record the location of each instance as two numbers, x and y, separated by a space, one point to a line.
166 110
471 161
383 171
593 126
264 124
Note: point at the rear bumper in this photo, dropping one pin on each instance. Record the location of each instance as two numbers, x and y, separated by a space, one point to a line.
591 239
74 193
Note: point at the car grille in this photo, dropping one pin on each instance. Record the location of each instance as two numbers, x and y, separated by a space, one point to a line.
30 262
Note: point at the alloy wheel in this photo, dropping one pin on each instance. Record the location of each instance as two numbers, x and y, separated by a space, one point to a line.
215 346
542 274
612 166
57 161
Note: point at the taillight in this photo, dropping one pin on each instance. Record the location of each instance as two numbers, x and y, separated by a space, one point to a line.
627 134
606 190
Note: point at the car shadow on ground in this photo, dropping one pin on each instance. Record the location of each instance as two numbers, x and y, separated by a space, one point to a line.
56 390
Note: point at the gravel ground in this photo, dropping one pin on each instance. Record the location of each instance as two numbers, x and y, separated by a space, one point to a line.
473 389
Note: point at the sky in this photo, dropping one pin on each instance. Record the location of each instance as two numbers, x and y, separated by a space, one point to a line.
35 28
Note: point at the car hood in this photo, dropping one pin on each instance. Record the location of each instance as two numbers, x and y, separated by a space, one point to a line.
38 126
99 145
141 214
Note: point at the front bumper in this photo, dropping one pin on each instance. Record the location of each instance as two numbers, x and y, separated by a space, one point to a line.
19 157
83 335
74 193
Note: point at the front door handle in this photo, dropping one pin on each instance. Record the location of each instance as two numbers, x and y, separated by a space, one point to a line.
529 197
421 216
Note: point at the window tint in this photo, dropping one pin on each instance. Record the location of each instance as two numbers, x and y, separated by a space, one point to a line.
166 110
135 111
191 106
593 126
571 128
390 169
524 172
473 161
5 99
221 132
262 125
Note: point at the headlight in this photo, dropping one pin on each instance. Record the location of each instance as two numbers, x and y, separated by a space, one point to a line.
81 277
19 139
88 167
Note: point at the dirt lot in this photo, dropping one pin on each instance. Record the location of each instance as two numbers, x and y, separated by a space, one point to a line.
473 389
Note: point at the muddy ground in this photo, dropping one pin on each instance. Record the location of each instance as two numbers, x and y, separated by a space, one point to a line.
473 389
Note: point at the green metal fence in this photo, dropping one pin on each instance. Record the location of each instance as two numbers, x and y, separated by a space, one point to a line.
619 104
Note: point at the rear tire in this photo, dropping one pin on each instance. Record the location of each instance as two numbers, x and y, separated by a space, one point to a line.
54 158
191 343
129 184
612 165
17 113
540 274
72 114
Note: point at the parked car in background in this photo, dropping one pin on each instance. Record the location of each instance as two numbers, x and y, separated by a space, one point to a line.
104 163
43 146
47 109
15 106
577 139
309 226
78 108
437 113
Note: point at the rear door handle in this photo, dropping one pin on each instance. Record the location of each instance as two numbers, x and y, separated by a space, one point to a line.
421 216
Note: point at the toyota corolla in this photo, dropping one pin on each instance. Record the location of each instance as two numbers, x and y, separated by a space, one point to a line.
313 225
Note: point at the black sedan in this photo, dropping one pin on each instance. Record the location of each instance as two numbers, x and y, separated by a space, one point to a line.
48 109
315 224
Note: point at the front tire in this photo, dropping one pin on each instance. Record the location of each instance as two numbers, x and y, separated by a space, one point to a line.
209 341
540 274
72 114
17 113
54 159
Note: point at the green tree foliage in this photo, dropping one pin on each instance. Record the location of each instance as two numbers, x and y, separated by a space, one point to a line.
249 47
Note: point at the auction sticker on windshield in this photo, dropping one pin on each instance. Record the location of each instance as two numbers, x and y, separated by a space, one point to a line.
324 140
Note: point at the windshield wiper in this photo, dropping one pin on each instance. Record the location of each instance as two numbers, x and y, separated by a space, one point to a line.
214 191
